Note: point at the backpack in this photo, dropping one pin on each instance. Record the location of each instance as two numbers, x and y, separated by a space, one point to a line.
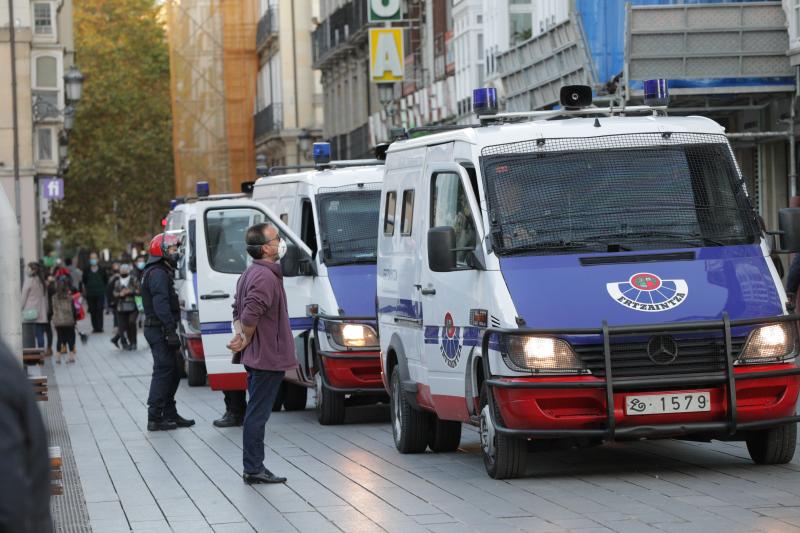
63 310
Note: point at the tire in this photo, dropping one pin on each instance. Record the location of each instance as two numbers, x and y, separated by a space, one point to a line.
410 427
195 374
296 397
504 457
774 446
330 404
278 405
444 435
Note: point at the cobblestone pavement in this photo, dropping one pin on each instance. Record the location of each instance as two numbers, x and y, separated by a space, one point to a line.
351 478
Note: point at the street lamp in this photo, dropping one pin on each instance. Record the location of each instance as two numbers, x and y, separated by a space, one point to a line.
73 84
385 93
63 145
304 141
261 165
69 118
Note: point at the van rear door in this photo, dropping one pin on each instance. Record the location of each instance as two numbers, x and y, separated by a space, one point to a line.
221 258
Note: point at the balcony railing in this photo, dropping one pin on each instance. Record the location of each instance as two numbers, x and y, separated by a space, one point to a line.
338 29
267 26
268 120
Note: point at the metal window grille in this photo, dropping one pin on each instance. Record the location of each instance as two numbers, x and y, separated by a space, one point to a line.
348 221
616 193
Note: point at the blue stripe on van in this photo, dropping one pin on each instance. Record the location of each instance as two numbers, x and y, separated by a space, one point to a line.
400 307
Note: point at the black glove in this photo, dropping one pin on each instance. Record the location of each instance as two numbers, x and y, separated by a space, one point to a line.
173 341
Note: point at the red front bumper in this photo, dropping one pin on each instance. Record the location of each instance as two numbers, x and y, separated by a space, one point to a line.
759 399
347 371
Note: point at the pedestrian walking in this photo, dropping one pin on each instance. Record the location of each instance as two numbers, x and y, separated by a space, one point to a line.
111 303
50 284
264 341
24 462
75 273
160 302
141 263
95 282
34 303
64 317
126 289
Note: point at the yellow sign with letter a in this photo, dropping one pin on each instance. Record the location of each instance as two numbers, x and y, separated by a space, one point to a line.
386 54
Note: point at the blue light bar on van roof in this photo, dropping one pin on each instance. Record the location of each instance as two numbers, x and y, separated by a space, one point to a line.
172 204
321 152
656 92
202 189
484 101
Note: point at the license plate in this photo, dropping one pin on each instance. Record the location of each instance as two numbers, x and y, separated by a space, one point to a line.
659 404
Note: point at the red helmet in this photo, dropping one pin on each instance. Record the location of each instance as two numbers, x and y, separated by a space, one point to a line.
161 243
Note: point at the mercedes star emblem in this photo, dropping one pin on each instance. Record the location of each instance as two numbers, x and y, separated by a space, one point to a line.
662 349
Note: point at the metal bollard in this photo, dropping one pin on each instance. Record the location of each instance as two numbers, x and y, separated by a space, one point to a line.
10 313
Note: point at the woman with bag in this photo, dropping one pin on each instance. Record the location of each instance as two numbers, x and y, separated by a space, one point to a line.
64 317
34 303
126 289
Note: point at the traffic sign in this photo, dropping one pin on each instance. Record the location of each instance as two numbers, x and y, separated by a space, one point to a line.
384 10
52 188
386 54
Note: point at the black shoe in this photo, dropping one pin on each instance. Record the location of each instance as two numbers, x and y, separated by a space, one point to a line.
163 425
181 422
229 420
115 340
132 348
263 477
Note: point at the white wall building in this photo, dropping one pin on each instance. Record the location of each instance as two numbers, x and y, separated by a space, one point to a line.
469 54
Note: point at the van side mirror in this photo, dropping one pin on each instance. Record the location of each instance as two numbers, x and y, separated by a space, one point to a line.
297 263
441 249
789 225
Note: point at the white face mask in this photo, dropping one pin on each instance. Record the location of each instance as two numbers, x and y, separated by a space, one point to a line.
281 249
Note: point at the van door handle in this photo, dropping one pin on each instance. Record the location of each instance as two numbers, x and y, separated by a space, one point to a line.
215 296
428 292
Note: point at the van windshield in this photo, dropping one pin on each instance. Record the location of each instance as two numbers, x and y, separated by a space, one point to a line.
348 223
616 193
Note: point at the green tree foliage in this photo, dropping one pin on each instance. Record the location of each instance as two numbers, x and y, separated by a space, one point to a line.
121 171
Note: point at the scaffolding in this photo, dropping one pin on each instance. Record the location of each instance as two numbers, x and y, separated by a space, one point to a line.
213 69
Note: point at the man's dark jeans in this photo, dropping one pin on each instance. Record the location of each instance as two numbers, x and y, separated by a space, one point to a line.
96 311
262 385
166 376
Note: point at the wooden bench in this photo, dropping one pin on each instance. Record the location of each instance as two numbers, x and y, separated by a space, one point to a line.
56 475
38 382
33 356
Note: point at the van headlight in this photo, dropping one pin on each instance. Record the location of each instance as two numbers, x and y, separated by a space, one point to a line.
769 344
540 354
352 335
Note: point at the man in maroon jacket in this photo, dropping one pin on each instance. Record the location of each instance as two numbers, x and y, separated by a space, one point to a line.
264 338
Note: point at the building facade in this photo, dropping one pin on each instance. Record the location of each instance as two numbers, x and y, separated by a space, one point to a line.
288 110
44 50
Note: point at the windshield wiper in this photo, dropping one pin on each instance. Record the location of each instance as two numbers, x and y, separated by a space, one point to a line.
682 238
555 245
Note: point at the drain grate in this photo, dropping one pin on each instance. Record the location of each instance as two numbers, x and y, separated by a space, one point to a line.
69 509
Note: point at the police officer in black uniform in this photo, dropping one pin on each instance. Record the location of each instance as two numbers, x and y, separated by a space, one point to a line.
162 314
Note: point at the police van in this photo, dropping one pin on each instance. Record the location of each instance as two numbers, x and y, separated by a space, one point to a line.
182 219
584 273
329 218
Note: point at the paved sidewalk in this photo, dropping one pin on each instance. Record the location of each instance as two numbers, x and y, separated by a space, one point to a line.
350 478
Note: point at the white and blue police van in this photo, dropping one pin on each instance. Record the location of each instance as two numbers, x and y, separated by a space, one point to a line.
329 218
182 219
587 274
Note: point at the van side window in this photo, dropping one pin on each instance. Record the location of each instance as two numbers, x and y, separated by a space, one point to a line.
225 232
407 218
388 216
449 207
307 231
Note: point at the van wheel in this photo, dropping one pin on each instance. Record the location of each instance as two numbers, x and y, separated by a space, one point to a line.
504 457
196 374
330 404
409 426
774 446
444 435
296 397
279 398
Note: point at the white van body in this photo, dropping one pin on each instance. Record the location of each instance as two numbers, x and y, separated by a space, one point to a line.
432 323
324 290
